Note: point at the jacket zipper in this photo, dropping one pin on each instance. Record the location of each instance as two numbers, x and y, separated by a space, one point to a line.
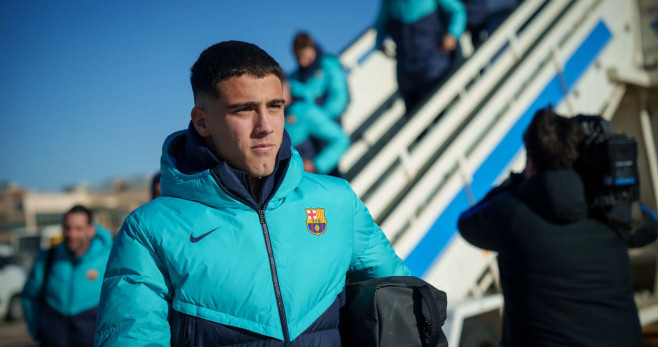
270 255
275 279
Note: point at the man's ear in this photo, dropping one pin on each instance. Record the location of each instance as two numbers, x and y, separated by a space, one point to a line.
92 230
199 120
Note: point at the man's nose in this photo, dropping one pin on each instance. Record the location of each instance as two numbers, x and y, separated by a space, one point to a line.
263 122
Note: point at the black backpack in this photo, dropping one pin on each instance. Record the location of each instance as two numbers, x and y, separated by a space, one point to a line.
392 312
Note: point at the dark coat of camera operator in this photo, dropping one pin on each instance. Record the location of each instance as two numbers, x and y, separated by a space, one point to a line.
565 276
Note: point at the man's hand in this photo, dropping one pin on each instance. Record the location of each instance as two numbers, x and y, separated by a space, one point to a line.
387 48
309 166
449 43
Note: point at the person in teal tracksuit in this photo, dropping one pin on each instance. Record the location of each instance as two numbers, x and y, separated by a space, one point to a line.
243 247
320 78
61 295
306 122
426 34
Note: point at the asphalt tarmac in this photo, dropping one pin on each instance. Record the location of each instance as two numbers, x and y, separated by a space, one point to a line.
14 334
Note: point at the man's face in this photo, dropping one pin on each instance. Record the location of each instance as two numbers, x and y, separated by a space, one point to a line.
78 233
244 126
306 56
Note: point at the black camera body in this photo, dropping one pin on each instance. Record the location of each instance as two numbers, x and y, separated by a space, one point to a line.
608 168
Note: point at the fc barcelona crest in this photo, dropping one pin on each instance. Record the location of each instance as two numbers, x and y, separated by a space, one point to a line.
315 221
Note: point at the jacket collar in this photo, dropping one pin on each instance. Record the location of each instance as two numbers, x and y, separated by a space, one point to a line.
190 170
557 195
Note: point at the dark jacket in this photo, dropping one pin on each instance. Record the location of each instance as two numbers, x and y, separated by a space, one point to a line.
565 277
418 28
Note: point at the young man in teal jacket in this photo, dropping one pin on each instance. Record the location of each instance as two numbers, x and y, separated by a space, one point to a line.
61 295
319 79
243 247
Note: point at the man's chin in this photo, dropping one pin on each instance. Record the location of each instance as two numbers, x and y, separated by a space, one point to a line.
260 174
262 171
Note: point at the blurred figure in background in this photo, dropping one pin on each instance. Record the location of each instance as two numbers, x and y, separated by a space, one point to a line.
306 123
485 16
319 78
61 295
155 186
565 275
426 33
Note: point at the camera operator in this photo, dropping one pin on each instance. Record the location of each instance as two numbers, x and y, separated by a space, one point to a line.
565 276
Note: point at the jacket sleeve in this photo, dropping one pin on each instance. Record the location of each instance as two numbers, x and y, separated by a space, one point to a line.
329 132
298 89
337 91
31 292
136 293
647 233
381 24
457 13
373 256
480 225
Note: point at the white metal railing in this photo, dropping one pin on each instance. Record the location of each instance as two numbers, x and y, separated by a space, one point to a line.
464 91
370 81
466 95
454 168
444 179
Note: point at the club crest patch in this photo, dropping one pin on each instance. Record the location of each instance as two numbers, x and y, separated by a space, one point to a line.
92 274
315 221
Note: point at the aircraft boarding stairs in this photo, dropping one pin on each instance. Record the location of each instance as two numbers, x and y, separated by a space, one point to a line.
417 176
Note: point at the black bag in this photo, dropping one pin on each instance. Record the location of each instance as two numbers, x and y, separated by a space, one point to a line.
393 312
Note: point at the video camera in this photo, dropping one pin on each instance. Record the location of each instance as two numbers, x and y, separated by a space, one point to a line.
608 168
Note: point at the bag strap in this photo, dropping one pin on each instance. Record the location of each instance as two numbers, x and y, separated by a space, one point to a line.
50 259
434 326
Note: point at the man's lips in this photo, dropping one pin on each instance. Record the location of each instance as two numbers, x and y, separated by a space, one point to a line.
263 147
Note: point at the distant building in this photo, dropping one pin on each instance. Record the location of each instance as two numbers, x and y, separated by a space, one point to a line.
11 208
32 211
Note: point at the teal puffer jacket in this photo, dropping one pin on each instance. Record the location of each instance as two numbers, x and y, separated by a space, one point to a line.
201 252
326 86
305 121
67 305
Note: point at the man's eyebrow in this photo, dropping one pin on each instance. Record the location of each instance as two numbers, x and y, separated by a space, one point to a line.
253 104
243 105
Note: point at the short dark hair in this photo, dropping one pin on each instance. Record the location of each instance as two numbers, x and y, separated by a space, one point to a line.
154 181
81 209
553 141
302 40
228 59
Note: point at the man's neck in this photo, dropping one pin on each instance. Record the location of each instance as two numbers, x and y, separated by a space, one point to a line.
81 251
256 186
